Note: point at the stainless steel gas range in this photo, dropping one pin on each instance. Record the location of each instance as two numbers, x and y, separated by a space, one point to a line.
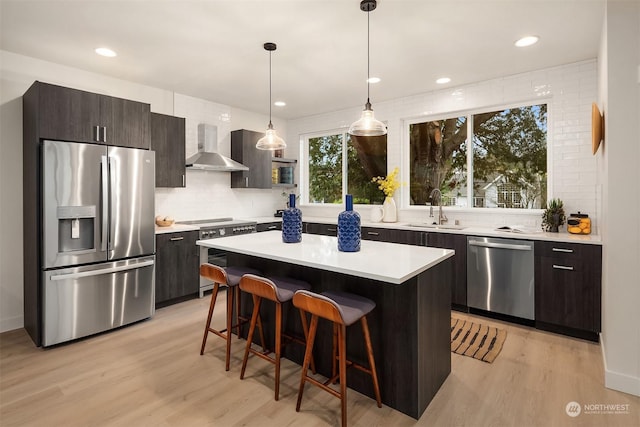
215 229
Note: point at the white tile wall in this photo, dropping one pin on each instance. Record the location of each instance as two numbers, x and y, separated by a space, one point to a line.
208 194
569 91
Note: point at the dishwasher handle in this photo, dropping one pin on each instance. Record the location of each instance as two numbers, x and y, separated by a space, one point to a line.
499 245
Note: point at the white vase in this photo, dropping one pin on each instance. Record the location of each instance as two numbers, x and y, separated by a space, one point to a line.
390 211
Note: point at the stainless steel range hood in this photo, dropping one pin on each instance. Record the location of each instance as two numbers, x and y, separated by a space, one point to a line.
207 157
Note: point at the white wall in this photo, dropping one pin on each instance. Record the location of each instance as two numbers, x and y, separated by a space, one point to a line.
619 157
568 90
207 193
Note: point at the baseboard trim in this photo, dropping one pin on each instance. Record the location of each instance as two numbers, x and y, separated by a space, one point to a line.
11 323
616 380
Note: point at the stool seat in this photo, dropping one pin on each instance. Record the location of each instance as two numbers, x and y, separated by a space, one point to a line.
229 277
287 286
279 290
234 274
351 307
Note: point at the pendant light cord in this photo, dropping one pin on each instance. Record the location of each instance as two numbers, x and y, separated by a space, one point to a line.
368 59
270 124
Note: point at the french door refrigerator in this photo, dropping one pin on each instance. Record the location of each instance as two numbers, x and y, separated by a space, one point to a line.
98 260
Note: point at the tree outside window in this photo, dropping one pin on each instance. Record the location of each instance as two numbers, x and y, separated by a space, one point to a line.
366 157
509 158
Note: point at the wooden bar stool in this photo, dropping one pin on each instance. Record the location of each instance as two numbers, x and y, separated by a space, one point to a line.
278 290
229 277
343 309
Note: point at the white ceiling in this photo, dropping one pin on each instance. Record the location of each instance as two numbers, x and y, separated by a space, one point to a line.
213 49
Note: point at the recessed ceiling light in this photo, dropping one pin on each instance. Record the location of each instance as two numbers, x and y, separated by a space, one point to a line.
105 51
443 80
279 103
527 41
373 80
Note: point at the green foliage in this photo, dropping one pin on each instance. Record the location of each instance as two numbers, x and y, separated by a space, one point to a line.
510 144
366 158
325 169
513 143
553 211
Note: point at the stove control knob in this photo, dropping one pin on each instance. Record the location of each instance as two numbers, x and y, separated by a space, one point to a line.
205 234
222 232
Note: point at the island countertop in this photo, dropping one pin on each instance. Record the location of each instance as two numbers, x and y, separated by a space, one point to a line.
386 262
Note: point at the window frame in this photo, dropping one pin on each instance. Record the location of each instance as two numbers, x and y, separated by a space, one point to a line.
304 165
469 113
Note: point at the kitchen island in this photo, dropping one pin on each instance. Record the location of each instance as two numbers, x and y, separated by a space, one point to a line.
410 326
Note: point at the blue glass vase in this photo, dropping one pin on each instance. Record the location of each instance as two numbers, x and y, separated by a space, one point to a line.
292 222
349 228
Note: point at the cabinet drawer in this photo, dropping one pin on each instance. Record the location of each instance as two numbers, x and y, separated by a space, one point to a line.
323 229
568 251
391 235
568 294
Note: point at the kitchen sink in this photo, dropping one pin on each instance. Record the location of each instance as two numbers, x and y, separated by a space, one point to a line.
436 226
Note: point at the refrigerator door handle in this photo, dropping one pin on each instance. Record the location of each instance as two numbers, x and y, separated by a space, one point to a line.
68 276
104 171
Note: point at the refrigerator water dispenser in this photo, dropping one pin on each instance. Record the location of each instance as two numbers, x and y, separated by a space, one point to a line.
76 228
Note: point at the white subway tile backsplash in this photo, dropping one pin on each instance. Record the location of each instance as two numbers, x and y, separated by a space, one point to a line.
569 91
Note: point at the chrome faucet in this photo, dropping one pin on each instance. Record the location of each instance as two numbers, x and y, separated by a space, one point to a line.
436 198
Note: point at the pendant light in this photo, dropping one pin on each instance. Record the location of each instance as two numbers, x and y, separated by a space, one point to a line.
271 140
367 125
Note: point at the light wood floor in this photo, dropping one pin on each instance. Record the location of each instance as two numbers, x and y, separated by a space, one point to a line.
151 374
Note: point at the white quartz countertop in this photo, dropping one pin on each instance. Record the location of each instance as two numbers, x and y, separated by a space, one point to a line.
387 262
176 228
531 234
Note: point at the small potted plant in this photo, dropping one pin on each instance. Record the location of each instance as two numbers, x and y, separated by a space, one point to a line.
553 216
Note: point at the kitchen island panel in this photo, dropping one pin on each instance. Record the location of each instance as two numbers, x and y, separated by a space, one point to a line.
409 329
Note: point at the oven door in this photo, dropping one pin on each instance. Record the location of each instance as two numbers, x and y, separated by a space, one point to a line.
212 256
217 257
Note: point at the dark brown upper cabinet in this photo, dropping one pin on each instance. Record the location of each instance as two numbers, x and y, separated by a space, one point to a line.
168 141
74 115
243 150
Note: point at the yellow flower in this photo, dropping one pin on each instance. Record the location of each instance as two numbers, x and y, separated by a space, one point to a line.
389 184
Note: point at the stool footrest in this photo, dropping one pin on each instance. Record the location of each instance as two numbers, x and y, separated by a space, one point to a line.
324 386
351 364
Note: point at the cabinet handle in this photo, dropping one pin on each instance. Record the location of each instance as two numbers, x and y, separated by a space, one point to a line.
569 251
332 229
562 267
104 134
183 183
246 182
372 233
173 239
96 133
272 227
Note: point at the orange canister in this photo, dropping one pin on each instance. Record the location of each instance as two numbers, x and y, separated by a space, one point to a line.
579 223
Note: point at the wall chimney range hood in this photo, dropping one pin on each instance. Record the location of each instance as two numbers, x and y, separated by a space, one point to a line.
207 157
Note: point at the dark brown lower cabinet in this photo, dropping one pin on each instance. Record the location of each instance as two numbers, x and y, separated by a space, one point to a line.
457 242
177 267
391 235
568 286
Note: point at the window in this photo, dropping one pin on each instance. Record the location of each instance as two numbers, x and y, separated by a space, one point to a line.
339 161
508 159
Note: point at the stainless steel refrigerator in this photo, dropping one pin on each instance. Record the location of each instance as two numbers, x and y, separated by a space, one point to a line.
98 262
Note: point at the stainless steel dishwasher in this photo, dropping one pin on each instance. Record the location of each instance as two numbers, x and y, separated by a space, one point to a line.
500 276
